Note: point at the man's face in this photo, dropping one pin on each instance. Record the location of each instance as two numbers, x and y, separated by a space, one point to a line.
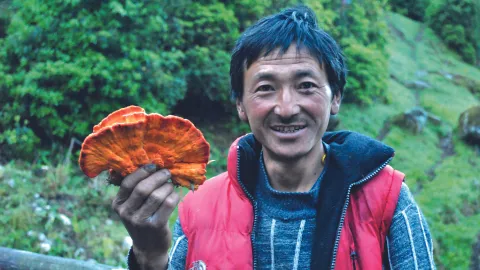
287 102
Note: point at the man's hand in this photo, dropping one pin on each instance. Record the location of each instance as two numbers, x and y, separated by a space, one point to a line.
144 203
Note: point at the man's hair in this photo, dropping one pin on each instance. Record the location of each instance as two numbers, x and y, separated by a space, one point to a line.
298 24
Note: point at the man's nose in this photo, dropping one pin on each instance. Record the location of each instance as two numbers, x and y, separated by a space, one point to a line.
287 104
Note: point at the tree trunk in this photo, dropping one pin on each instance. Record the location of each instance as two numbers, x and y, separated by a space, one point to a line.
13 259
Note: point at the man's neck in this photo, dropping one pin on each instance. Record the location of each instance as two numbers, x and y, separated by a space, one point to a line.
297 175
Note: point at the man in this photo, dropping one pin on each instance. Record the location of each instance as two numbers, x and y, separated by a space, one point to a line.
293 197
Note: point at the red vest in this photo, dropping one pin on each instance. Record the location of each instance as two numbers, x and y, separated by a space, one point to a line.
217 220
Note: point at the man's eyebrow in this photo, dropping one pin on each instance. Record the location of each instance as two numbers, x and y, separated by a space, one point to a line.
304 73
298 74
260 76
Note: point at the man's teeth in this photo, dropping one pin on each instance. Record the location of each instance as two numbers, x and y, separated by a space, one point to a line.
288 129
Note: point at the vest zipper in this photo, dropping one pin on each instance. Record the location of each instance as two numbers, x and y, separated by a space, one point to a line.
254 203
345 206
353 255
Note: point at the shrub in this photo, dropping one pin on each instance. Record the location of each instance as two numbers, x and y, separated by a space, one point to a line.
456 22
66 64
361 30
414 9
367 82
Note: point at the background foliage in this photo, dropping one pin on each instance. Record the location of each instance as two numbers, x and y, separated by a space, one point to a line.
64 65
414 9
455 21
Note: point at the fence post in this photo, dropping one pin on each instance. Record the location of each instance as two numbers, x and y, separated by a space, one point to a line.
14 259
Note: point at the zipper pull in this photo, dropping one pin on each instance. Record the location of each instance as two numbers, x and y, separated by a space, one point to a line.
354 257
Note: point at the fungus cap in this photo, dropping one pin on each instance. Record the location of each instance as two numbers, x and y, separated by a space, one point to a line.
128 139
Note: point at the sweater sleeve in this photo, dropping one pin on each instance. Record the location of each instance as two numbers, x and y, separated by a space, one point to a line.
409 243
178 252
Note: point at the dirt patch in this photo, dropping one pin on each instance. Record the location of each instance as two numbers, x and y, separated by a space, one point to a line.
385 130
448 149
475 261
418 38
420 32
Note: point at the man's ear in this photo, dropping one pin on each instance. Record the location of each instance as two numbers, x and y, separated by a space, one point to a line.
337 99
241 111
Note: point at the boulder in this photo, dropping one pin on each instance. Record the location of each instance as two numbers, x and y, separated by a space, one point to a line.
413 120
418 85
472 85
447 75
469 125
421 73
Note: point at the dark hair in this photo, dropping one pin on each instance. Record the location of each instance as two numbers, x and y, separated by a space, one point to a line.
298 24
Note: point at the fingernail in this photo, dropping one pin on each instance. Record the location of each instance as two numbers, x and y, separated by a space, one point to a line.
151 168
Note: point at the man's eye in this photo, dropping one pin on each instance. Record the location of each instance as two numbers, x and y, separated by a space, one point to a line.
265 88
307 85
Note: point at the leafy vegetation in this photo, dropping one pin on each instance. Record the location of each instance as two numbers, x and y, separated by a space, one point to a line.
61 61
360 29
414 9
455 21
91 62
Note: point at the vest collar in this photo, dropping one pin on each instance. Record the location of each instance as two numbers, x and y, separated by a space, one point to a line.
355 155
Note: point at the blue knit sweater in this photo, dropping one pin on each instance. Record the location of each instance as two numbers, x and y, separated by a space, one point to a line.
286 224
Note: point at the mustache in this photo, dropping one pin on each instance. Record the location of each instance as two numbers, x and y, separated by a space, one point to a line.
284 121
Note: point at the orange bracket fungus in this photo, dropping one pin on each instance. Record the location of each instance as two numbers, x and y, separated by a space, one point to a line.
129 138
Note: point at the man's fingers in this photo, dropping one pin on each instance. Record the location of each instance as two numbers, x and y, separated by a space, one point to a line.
131 180
143 190
163 213
153 202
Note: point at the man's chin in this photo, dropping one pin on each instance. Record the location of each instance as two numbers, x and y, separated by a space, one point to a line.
287 154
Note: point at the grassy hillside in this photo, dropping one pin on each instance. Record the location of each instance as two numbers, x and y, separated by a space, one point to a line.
441 170
55 210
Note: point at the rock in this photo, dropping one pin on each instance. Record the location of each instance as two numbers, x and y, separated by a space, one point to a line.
79 253
418 85
472 85
45 247
413 120
11 183
446 75
469 125
421 73
434 119
65 220
333 123
41 171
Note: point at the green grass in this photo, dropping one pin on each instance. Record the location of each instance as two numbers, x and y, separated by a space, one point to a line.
34 205
450 198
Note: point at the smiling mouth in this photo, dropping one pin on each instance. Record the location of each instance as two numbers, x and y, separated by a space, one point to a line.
288 129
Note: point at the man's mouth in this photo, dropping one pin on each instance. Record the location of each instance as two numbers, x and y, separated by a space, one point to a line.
288 129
